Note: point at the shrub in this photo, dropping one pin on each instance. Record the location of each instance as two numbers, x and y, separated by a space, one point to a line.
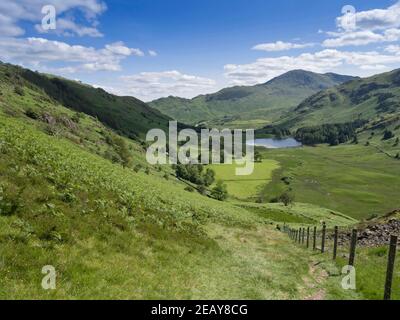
31 114
388 135
189 189
286 198
137 168
220 191
77 117
19 91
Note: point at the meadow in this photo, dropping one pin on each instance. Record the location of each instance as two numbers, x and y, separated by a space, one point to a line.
356 180
245 187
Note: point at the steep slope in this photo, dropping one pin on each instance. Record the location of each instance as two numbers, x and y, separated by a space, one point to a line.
257 105
126 115
359 99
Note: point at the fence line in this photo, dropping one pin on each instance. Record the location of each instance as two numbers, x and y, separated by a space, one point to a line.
303 237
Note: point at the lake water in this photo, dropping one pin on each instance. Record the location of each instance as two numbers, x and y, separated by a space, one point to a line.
276 143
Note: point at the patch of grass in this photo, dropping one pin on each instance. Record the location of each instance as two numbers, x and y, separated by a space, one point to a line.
243 187
299 214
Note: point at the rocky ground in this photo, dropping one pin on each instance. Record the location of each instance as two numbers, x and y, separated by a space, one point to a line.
374 234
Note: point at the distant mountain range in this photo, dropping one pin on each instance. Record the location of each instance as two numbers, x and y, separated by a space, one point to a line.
247 105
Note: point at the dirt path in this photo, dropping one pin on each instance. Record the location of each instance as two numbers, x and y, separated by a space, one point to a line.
283 270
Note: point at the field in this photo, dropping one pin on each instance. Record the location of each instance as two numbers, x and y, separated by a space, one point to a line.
243 187
299 214
355 180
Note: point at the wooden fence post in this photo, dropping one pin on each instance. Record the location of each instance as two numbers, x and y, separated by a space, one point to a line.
335 243
303 236
323 238
390 268
353 247
308 237
315 239
299 235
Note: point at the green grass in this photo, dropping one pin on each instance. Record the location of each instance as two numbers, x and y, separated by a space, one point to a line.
243 187
111 233
353 179
299 214
371 264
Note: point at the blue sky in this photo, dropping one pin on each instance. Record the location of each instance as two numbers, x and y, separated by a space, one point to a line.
155 48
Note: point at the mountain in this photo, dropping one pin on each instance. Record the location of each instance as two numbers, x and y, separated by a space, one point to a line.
249 105
126 115
364 99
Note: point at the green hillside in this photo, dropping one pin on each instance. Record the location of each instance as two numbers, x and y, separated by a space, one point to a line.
126 115
249 106
68 199
359 99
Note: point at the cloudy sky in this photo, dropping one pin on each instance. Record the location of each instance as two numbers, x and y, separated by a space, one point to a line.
156 48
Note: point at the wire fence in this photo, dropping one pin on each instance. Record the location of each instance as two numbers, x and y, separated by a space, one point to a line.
378 272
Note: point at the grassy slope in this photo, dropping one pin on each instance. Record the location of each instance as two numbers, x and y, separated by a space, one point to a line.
256 105
367 184
361 98
111 233
126 115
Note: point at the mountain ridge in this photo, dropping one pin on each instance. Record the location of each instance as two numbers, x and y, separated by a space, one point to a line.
265 102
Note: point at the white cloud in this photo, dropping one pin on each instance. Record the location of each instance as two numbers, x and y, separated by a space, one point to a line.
328 60
393 49
363 37
371 26
153 53
281 46
152 85
376 19
28 10
36 51
67 27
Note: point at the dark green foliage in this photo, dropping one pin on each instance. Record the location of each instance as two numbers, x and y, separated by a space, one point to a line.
276 131
286 198
195 174
333 134
398 156
127 115
9 202
189 189
31 114
137 168
220 191
387 135
258 156
19 91
77 117
122 150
